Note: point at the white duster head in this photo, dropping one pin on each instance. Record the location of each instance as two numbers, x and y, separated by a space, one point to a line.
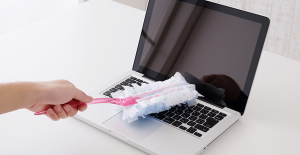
157 96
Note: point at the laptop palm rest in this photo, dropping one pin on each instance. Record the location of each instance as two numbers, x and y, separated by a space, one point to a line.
137 130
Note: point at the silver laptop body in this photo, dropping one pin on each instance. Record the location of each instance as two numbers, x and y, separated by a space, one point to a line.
159 133
152 135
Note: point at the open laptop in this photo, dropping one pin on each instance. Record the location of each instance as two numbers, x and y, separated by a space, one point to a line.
216 47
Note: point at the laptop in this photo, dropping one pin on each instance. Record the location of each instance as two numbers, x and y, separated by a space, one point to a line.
215 47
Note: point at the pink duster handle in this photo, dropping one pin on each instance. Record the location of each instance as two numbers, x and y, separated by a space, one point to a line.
119 101
123 102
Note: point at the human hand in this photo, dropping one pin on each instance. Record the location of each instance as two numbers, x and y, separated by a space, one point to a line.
55 95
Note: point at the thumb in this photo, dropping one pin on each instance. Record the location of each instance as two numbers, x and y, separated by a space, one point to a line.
81 96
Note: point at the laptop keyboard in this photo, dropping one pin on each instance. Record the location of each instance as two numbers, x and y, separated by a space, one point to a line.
196 120
127 82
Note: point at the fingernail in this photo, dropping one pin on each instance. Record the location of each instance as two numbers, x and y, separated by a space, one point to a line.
58 109
91 98
67 108
51 112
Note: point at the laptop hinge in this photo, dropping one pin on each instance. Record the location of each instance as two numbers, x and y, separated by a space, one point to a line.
148 78
210 102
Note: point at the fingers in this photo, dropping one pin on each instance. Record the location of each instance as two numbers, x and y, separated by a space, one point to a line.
82 107
81 96
60 112
52 115
70 110
57 94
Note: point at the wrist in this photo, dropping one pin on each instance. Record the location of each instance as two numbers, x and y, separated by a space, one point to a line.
32 94
18 95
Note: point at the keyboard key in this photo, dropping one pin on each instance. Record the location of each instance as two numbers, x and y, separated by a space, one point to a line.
163 112
172 109
182 128
215 111
191 123
184 104
197 134
200 121
170 114
211 114
184 120
129 81
201 127
177 123
110 96
182 107
193 118
129 85
133 78
146 82
219 117
153 114
169 120
139 83
191 130
186 115
210 122
203 116
191 107
113 90
119 86
106 93
177 117
195 113
222 114
207 108
178 112
124 83
188 110
160 116
200 105
196 108
204 111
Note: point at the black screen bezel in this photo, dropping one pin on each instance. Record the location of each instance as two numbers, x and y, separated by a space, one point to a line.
264 21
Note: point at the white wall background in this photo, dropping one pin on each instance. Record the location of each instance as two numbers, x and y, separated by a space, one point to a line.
283 37
18 13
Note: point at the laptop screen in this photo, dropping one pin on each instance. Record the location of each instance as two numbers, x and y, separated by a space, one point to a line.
213 46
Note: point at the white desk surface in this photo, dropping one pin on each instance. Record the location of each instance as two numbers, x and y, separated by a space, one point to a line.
85 44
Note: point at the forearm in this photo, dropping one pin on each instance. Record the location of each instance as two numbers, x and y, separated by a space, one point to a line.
18 95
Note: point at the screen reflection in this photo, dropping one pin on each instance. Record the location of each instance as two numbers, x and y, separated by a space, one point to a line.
220 89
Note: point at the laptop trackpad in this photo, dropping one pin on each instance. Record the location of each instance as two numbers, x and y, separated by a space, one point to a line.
137 130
